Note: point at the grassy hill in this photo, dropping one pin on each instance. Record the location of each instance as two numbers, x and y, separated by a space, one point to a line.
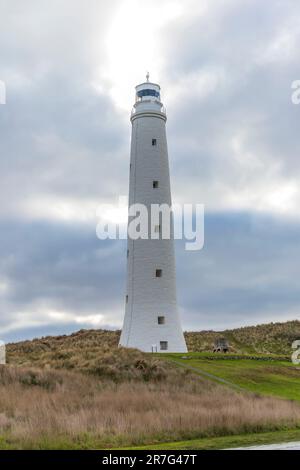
271 338
93 352
82 391
82 349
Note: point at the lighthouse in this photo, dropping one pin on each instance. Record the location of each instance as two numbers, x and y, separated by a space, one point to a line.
151 321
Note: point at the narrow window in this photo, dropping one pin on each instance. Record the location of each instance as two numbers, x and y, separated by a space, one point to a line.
127 299
158 273
155 184
130 166
154 142
161 320
157 229
163 345
127 253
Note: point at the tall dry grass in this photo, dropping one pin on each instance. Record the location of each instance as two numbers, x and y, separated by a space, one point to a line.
41 408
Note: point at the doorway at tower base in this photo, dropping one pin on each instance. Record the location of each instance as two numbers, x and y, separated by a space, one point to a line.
161 346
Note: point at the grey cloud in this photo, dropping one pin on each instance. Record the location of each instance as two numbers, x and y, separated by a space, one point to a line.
245 274
251 98
63 140
63 264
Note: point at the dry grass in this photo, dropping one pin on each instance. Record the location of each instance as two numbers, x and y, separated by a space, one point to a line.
81 391
272 338
84 347
46 408
89 351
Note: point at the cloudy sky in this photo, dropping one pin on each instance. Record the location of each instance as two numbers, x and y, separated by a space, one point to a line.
226 69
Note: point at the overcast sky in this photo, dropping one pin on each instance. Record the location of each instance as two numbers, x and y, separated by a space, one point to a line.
226 69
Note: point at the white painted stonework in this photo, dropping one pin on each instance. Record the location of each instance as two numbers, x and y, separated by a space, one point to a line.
149 297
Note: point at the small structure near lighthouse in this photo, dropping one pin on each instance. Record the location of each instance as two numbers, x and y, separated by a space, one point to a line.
221 345
151 322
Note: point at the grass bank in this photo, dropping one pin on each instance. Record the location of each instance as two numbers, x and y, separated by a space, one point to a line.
44 409
227 442
274 378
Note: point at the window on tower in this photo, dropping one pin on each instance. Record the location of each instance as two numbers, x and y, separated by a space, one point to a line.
161 320
127 299
154 142
158 273
155 184
163 345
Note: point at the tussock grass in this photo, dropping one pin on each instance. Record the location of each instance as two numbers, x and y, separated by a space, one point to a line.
271 338
62 351
81 391
53 408
89 351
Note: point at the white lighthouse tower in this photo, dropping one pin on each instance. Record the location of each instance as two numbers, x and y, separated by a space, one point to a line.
151 321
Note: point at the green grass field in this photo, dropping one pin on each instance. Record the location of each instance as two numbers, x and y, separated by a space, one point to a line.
227 442
263 376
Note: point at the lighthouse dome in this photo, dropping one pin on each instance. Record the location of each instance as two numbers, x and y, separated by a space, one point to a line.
147 91
147 97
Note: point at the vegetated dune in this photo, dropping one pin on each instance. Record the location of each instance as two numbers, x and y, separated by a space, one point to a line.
58 351
93 352
271 338
82 391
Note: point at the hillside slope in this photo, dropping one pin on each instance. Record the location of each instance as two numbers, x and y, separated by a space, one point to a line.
272 338
86 346
81 391
93 352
